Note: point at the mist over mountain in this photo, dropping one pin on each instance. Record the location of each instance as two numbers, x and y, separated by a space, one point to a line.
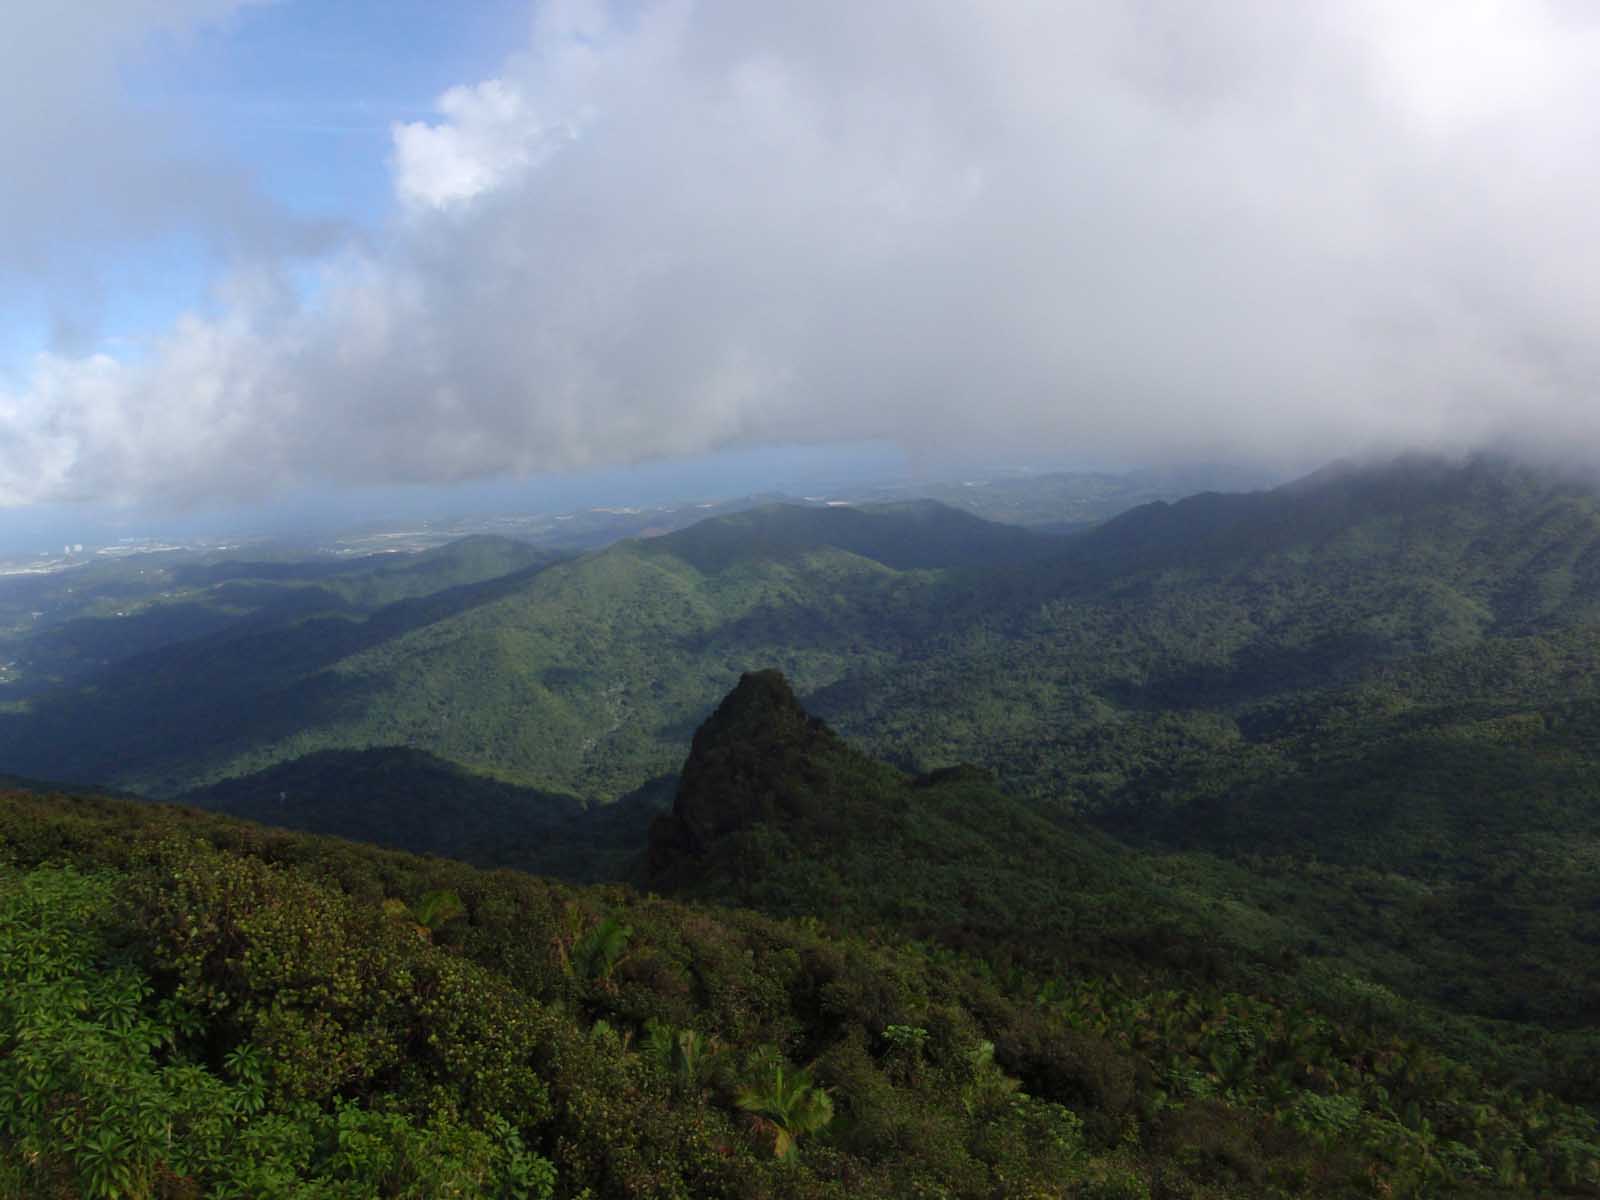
604 234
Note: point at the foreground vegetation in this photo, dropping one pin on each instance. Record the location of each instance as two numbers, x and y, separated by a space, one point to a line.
958 999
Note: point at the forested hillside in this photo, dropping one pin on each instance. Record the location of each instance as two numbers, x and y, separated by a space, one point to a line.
1350 727
410 800
1082 670
945 995
582 678
72 624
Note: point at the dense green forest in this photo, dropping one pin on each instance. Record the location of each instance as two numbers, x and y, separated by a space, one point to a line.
926 988
410 800
69 625
80 614
1255 836
1080 669
1365 701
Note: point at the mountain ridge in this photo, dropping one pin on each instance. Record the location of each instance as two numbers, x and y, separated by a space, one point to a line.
581 678
907 535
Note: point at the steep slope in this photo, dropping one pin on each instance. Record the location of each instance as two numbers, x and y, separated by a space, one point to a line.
1451 867
1167 631
773 810
1518 546
1068 501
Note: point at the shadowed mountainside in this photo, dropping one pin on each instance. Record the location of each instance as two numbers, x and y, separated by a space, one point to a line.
410 800
961 998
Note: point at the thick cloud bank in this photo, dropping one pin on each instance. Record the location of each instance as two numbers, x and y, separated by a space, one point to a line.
1146 230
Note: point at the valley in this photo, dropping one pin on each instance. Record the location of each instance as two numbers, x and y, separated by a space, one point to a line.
1321 754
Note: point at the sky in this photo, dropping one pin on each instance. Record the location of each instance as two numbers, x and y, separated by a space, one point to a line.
261 250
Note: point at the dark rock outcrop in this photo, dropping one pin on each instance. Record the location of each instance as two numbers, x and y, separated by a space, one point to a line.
759 759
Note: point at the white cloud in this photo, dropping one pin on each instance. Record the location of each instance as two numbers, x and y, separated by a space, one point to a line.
487 138
1144 231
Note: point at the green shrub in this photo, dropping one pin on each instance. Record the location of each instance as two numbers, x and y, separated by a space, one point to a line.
103 1083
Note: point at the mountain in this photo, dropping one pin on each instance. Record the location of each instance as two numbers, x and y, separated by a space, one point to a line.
1451 867
1083 671
908 536
582 677
1243 845
753 762
1194 627
775 811
166 711
962 1001
1066 501
1508 537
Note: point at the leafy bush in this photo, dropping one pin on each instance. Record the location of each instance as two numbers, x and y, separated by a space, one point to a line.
104 1085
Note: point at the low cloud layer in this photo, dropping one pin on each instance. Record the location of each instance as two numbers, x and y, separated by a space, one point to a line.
1141 231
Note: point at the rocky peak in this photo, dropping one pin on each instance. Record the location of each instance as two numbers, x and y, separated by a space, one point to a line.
755 760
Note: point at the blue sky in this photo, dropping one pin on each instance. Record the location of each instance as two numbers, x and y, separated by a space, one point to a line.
299 97
303 92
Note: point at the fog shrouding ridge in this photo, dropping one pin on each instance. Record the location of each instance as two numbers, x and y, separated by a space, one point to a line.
1142 231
